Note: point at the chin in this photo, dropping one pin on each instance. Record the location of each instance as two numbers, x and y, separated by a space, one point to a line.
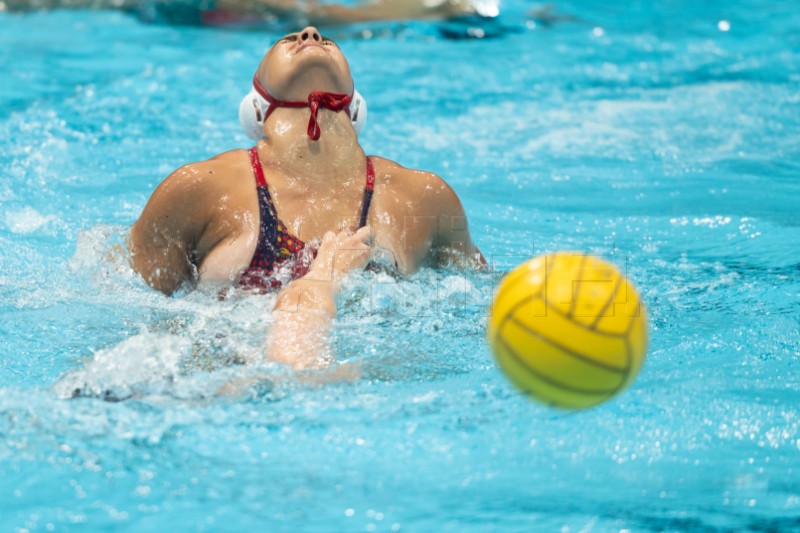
293 76
312 77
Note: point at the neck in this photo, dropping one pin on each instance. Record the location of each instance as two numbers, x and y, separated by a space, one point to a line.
336 156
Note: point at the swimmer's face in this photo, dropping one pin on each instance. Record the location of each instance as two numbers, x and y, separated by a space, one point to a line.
302 62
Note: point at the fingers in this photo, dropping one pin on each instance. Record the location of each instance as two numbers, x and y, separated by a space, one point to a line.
329 244
364 235
344 251
354 250
348 239
362 239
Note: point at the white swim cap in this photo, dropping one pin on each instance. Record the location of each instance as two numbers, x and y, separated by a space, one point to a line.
254 108
358 111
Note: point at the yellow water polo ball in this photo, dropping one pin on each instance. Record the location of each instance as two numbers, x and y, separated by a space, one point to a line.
568 329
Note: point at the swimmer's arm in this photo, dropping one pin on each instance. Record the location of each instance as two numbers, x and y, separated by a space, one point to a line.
161 241
41 5
299 337
387 10
305 309
303 317
326 13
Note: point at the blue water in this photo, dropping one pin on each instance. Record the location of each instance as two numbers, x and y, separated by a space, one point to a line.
641 131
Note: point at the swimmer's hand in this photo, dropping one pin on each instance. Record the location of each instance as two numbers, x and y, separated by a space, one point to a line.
304 310
341 253
338 254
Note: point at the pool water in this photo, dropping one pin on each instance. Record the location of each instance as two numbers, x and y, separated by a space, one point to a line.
660 135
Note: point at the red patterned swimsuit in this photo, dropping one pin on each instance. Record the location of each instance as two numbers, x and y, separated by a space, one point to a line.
280 256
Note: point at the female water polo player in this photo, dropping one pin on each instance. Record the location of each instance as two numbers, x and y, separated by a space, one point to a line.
251 218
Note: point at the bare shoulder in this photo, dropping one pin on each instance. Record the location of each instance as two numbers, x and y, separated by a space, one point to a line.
428 190
209 174
177 228
419 217
394 173
185 199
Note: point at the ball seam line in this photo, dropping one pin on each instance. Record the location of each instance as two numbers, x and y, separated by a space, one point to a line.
505 287
509 314
553 382
578 280
568 351
582 325
629 358
599 317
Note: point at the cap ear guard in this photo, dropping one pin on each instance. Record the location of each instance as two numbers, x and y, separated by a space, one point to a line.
358 111
253 109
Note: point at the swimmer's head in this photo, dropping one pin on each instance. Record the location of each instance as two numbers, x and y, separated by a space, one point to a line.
297 65
302 62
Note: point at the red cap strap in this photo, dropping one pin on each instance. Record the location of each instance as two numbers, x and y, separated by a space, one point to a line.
334 101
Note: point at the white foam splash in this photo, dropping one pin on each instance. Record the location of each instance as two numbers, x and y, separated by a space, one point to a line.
142 365
27 220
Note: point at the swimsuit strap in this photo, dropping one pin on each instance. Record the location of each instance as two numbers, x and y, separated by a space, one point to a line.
255 162
369 189
264 198
370 175
369 186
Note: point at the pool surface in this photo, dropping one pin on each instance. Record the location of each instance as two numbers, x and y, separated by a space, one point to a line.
660 135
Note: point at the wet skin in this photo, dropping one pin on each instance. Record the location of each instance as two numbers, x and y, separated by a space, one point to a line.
202 222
